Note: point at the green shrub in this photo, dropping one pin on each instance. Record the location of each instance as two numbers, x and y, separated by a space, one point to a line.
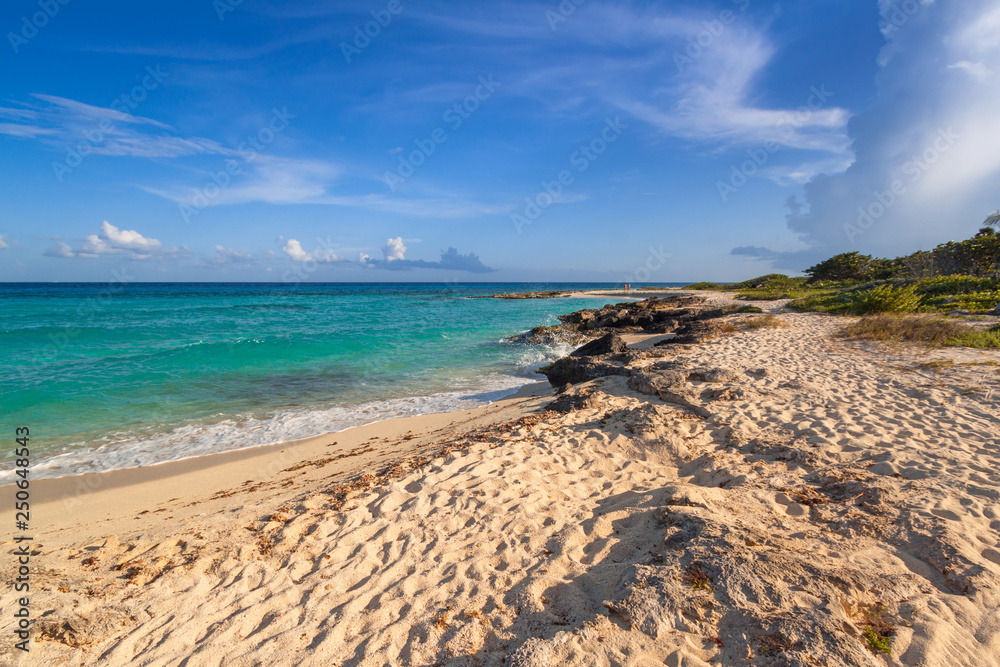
770 283
750 309
878 642
827 302
885 299
704 286
845 266
946 285
977 338
981 301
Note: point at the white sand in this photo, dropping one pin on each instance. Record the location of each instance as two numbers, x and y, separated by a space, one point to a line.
847 482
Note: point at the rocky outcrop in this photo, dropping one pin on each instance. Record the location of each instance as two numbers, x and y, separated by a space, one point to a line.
609 355
652 316
573 370
612 344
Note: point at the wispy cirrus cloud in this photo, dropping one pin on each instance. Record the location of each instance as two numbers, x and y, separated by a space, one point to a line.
634 59
60 122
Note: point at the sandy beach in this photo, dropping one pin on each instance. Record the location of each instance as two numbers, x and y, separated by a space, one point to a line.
765 497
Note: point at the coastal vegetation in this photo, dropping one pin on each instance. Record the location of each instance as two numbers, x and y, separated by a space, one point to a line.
914 298
954 276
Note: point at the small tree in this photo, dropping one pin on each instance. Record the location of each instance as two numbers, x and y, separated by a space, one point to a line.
845 266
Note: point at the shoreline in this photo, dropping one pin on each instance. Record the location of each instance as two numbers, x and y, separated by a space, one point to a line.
754 492
512 393
57 488
61 499
503 394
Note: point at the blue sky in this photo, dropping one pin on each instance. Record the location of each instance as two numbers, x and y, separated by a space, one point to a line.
419 140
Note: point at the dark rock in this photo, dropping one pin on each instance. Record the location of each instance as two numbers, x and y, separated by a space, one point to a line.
574 370
578 317
710 314
714 375
668 386
570 401
610 344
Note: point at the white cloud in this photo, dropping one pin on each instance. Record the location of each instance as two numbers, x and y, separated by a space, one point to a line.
61 250
705 95
114 241
127 239
394 249
976 69
3 243
294 250
321 254
24 131
933 132
711 102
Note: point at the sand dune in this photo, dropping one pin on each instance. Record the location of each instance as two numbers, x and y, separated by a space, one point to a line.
809 490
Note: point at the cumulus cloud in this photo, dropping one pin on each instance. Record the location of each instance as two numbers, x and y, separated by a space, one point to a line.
322 254
294 250
112 240
451 260
127 239
3 243
394 250
927 150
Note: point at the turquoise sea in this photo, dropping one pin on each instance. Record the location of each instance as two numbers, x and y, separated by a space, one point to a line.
116 376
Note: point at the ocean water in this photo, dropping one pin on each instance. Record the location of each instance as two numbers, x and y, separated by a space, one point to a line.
116 376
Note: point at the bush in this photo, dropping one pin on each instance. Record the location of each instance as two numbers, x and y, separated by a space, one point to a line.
750 309
885 299
766 322
977 338
929 330
836 302
946 285
771 282
704 286
767 295
845 266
